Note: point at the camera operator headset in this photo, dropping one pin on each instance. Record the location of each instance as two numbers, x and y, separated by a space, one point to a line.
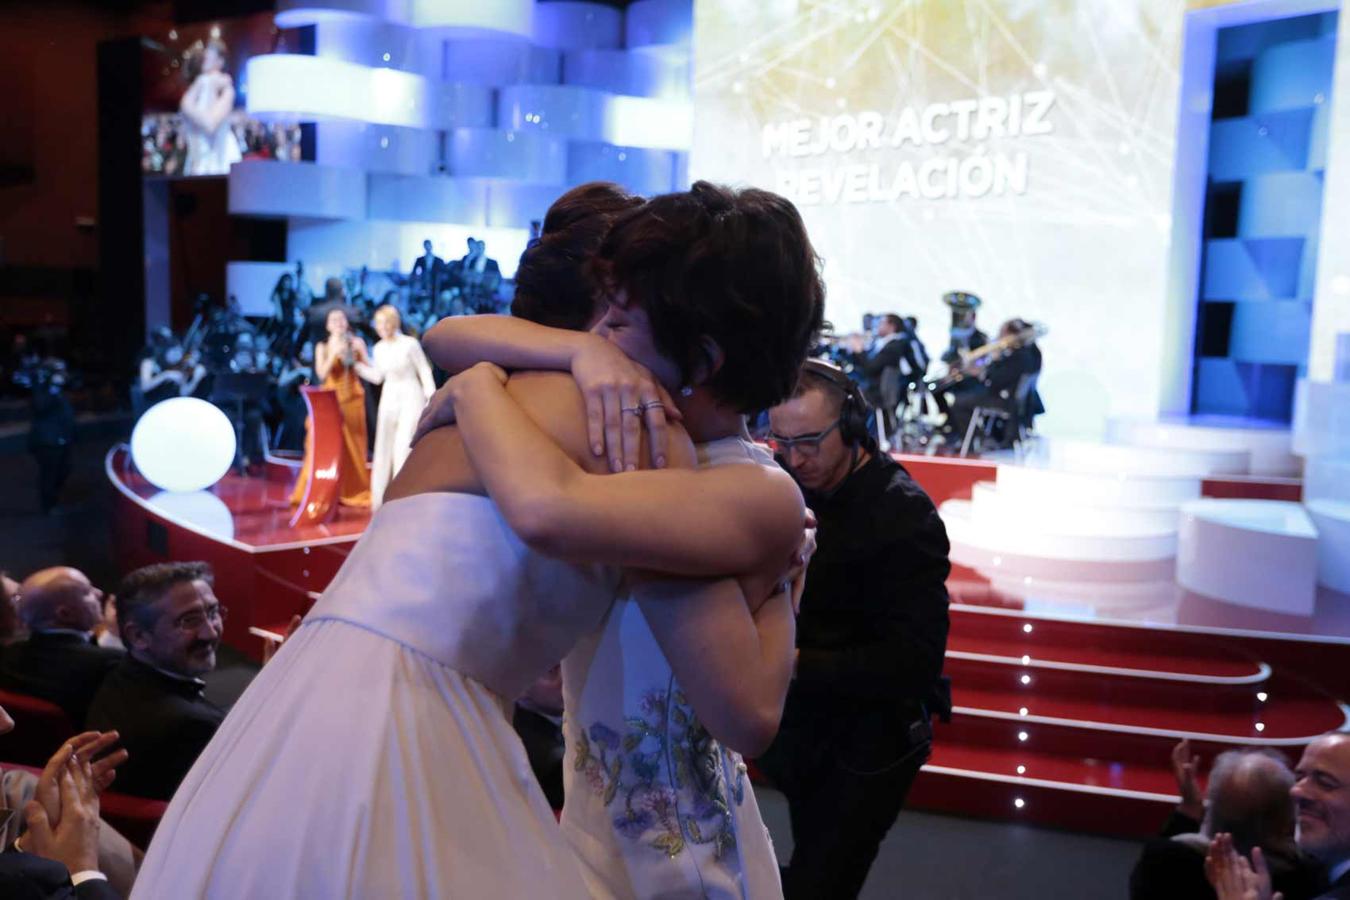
854 414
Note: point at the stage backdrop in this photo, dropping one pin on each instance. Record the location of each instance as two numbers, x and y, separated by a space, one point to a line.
1022 150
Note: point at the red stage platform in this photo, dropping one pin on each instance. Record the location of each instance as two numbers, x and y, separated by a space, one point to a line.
1068 700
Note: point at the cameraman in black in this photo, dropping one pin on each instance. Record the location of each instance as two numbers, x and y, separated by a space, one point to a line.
52 432
870 639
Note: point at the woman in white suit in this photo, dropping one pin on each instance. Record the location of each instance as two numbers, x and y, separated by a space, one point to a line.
400 366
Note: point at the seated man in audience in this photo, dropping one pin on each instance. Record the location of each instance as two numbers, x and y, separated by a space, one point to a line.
171 624
59 661
1321 795
1247 797
54 844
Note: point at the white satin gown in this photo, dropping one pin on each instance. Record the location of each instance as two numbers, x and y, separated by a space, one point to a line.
374 755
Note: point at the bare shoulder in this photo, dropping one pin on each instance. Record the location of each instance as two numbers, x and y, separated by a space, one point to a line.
555 403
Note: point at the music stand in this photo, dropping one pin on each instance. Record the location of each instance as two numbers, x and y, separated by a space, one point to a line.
238 389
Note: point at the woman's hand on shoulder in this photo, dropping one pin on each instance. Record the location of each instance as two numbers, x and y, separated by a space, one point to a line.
622 397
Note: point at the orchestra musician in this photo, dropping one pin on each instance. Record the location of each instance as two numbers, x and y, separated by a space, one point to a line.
894 361
990 377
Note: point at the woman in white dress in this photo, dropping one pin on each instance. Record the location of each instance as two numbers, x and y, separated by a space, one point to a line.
373 755
206 107
400 366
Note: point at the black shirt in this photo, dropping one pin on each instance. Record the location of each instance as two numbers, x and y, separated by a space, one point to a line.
165 723
873 625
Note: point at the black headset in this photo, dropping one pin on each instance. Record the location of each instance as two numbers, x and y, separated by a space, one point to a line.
854 415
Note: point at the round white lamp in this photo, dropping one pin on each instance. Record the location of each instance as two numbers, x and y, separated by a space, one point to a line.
183 444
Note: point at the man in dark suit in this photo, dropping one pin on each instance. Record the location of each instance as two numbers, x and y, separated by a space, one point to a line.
171 624
1248 797
428 274
477 276
870 640
59 661
1322 801
894 360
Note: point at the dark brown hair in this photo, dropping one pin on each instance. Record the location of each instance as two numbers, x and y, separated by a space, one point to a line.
733 266
144 587
552 284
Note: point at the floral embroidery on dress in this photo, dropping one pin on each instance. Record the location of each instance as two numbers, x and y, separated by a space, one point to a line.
665 777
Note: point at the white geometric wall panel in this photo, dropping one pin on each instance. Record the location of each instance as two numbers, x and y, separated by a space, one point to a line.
264 188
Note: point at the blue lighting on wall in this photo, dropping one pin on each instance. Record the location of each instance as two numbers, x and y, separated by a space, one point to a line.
1263 207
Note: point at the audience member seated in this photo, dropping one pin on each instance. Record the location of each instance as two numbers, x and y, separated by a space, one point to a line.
59 661
55 845
1247 797
171 624
538 721
10 626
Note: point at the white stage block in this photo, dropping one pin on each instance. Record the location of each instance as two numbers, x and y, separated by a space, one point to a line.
530 156
1269 446
558 109
650 122
966 529
627 72
571 25
1031 485
308 190
428 198
1332 518
374 43
1327 478
1256 553
513 204
1091 456
1322 418
997 510
641 170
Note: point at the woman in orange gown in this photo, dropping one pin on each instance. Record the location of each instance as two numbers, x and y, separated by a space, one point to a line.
335 365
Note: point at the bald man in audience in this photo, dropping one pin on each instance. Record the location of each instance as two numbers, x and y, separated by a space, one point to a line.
59 661
1322 802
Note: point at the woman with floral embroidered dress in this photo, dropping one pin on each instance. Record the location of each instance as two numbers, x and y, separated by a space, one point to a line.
443 612
660 695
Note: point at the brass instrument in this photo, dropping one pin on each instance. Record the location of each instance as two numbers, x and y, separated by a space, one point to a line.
974 361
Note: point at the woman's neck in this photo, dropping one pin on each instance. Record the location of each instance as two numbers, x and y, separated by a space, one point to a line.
707 420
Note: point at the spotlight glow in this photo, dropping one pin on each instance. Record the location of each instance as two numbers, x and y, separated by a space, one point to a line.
1021 770
1260 726
1026 679
1261 696
1022 735
1023 711
1019 803
1026 660
1027 629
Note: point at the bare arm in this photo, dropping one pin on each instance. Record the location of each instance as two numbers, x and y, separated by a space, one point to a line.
150 379
323 361
218 109
458 342
734 666
369 369
721 521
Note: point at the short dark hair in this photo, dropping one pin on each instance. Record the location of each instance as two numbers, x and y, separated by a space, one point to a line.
146 586
553 286
733 266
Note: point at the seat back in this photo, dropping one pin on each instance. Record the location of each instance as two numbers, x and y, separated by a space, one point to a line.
40 727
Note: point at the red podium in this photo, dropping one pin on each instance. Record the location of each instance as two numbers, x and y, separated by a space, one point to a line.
320 501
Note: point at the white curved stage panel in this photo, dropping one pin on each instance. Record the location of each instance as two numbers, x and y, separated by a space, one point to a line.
497 63
375 148
308 190
641 170
1326 478
311 87
513 204
964 527
626 72
429 198
1092 456
1322 418
650 122
1033 484
514 17
1270 447
654 24
1256 553
532 156
559 109
1332 518
368 42
573 25
299 13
